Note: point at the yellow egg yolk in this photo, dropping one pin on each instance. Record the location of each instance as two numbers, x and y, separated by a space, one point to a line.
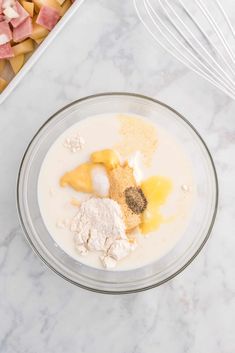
108 158
79 178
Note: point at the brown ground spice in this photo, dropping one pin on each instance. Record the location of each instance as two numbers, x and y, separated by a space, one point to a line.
135 199
121 178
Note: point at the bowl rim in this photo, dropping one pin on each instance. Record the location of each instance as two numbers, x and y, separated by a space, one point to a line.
121 94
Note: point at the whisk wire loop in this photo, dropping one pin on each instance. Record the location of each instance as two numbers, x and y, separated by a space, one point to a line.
181 31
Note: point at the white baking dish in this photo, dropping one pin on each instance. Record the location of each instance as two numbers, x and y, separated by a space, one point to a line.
38 52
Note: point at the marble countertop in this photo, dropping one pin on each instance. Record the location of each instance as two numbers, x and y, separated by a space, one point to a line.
105 48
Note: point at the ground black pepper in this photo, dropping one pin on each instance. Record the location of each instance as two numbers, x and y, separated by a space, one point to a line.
135 199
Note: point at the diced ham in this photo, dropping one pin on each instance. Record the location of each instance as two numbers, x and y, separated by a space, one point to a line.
8 3
6 51
23 14
2 18
10 13
3 39
5 33
22 31
48 17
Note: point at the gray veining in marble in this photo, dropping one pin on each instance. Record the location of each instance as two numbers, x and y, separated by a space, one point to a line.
105 48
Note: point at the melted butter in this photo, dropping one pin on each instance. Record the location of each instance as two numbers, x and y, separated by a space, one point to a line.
156 190
79 178
151 219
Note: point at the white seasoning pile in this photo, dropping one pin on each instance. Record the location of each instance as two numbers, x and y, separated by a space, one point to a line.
99 226
74 143
100 181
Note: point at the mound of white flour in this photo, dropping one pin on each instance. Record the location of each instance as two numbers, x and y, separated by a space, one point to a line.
99 226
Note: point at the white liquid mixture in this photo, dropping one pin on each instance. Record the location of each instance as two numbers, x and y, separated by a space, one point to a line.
102 132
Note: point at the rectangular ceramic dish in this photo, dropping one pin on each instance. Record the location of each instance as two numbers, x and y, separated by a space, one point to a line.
39 50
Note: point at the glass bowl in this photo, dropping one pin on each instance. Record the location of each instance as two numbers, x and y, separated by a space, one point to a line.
154 274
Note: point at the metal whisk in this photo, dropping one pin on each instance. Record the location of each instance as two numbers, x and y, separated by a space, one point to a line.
198 33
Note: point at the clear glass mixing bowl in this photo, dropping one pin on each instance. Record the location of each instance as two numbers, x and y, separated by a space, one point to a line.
154 274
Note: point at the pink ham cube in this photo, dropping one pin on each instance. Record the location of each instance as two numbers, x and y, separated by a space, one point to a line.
23 14
22 31
48 17
5 33
6 51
